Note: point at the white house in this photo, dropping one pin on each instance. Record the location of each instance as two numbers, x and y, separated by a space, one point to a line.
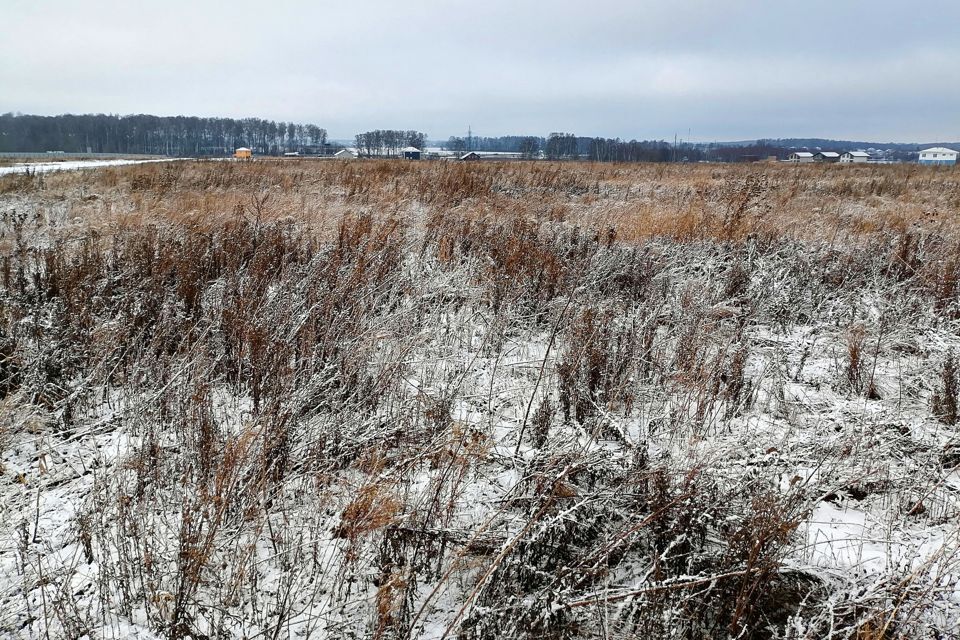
855 157
826 156
345 154
938 155
800 156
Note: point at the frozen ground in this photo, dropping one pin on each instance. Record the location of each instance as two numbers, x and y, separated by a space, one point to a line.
420 432
72 165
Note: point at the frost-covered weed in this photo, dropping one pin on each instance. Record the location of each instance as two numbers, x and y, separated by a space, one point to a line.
530 400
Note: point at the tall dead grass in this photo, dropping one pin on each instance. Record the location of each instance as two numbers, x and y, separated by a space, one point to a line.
309 359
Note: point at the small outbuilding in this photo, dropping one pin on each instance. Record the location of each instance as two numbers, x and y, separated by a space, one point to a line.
854 157
467 157
800 156
938 155
345 154
243 153
826 156
411 153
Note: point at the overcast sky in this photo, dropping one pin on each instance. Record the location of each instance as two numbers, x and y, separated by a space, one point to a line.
878 70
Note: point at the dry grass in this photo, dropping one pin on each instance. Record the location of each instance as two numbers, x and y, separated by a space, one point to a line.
532 400
639 201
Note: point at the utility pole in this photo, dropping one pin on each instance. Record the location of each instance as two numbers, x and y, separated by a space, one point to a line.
469 138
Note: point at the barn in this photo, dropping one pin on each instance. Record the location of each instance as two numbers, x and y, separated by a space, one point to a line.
345 154
938 155
411 153
243 153
800 156
473 155
854 157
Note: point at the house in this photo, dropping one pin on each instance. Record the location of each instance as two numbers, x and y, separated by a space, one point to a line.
243 153
410 153
938 155
800 156
345 154
855 157
826 156
491 155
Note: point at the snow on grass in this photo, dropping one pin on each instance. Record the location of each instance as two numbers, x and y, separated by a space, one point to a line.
73 165
366 435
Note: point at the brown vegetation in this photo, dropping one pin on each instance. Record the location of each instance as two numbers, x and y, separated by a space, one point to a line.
526 400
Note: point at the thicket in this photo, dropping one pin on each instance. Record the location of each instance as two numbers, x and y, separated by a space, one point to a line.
314 444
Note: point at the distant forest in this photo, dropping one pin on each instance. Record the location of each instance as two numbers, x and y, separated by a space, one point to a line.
387 142
159 135
568 146
190 137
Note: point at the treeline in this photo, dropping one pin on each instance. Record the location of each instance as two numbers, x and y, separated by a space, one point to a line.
192 136
561 146
759 150
156 135
825 143
763 149
568 146
387 142
510 144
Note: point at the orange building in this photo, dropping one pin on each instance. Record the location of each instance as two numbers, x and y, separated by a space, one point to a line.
243 153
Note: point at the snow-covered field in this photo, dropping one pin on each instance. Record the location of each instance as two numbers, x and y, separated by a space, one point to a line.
72 165
541 401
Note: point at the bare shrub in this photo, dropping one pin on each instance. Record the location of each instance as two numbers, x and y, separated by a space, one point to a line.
945 399
855 366
595 368
541 421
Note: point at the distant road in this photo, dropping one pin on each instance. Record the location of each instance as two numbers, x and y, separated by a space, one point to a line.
71 165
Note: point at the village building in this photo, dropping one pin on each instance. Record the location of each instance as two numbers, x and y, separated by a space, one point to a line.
411 153
345 154
855 157
491 155
243 153
826 156
800 156
938 155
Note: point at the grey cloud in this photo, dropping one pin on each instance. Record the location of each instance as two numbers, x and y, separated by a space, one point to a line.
738 69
